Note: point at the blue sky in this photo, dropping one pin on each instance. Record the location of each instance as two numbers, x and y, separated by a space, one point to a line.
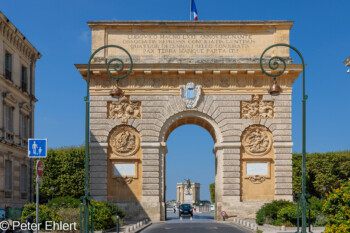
58 29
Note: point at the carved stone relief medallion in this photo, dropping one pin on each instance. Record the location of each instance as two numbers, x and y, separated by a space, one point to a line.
257 109
257 179
257 140
124 110
124 141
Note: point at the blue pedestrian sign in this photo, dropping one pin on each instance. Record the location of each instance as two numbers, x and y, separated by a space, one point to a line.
37 148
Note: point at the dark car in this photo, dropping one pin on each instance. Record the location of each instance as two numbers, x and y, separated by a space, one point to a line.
186 209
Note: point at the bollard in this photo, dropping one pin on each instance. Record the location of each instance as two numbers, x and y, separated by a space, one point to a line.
127 230
138 225
141 223
255 228
252 226
117 228
283 228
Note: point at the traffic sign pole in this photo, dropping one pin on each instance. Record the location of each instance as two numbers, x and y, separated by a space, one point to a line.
37 203
39 176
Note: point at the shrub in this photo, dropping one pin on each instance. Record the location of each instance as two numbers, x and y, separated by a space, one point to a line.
65 202
337 206
103 218
115 211
268 212
45 213
288 215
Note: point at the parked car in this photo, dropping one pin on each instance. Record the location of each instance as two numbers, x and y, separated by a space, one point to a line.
185 209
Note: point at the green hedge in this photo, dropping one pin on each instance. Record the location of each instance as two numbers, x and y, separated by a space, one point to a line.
285 213
268 212
64 170
328 170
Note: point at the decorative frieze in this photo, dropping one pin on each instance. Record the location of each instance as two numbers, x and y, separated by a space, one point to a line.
257 109
124 110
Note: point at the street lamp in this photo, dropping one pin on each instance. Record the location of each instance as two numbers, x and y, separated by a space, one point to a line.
274 63
52 189
118 66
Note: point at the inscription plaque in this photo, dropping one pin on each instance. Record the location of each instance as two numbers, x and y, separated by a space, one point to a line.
124 169
196 45
257 169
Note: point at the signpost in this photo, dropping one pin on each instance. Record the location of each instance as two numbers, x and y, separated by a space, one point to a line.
223 215
39 179
37 148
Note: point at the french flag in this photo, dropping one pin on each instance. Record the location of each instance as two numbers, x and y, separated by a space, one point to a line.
194 10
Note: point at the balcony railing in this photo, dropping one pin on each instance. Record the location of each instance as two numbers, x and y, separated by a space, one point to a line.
8 74
9 136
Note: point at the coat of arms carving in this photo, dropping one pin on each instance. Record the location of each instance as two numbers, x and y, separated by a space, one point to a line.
257 140
190 94
124 141
257 109
124 110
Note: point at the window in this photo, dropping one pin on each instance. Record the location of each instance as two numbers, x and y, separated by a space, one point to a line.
8 175
24 126
8 66
23 178
24 83
8 116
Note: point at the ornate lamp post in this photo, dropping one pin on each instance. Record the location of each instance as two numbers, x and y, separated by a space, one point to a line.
116 92
275 89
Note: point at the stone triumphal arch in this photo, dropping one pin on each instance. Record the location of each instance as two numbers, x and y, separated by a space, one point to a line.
205 73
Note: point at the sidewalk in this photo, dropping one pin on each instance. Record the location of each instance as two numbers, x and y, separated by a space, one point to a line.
131 227
250 224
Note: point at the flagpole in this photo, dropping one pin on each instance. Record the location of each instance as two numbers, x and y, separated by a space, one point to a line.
190 8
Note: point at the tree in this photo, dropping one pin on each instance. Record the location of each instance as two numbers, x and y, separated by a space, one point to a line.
64 170
328 170
212 192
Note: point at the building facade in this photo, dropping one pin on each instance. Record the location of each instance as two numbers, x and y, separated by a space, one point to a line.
188 194
17 98
205 73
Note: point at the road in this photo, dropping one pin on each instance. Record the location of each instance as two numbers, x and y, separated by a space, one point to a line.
200 223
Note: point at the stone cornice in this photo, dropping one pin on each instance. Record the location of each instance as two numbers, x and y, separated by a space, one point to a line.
9 32
190 24
16 89
224 79
235 68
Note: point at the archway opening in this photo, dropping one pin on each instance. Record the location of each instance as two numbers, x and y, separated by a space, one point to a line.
190 142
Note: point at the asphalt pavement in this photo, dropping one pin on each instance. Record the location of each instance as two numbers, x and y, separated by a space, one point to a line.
200 223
